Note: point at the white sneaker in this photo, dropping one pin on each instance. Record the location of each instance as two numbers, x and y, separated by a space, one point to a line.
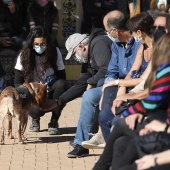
96 142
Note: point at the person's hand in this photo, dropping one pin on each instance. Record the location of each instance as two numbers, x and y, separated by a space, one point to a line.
145 162
5 41
155 125
116 103
12 7
122 98
22 86
98 4
89 87
132 119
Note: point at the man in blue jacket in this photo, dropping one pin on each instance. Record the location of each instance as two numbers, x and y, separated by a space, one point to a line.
122 58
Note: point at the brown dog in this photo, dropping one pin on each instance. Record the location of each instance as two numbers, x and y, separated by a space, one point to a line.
15 103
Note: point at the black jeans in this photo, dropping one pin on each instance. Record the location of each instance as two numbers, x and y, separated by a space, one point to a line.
76 90
125 153
59 87
121 129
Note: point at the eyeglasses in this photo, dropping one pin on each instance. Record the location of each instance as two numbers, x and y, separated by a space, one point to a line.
73 52
160 28
40 44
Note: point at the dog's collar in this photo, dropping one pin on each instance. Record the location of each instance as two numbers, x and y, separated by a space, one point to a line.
25 95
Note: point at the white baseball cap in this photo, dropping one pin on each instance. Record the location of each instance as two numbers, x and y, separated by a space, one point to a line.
72 42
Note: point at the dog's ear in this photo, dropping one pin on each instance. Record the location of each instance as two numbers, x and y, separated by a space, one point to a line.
41 100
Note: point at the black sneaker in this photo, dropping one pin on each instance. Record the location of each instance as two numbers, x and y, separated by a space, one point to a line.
34 125
72 143
53 127
78 152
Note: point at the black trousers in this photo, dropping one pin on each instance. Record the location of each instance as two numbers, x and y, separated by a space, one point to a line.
59 87
76 90
121 129
130 154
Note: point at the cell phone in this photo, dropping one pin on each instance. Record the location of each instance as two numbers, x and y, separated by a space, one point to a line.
7 1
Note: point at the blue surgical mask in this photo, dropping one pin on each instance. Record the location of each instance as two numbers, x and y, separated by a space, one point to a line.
39 49
111 38
79 59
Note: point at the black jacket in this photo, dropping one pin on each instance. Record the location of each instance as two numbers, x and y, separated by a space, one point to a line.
9 23
43 16
99 55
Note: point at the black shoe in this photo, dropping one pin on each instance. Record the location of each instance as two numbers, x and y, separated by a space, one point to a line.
34 125
53 127
72 143
78 152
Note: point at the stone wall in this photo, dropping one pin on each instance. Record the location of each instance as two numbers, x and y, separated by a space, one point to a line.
70 18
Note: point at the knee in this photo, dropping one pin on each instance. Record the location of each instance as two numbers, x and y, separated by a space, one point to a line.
102 115
120 123
60 84
88 96
35 113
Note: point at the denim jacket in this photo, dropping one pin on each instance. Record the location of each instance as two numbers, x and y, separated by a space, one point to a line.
122 59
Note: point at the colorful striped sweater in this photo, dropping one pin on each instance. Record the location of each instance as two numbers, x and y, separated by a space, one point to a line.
159 95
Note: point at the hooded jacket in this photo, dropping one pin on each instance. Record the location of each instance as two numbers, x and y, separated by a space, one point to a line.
99 54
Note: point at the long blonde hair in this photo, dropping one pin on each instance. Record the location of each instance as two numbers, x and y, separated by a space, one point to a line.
161 55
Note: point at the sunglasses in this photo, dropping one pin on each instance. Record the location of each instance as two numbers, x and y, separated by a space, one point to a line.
160 28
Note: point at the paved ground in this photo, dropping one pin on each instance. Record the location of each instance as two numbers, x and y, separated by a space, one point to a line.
45 152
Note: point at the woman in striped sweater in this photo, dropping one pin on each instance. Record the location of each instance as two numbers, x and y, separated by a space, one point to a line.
155 106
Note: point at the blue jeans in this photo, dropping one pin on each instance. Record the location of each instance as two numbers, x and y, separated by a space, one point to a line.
106 116
106 121
90 100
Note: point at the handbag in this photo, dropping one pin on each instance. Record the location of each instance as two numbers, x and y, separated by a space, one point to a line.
152 143
124 106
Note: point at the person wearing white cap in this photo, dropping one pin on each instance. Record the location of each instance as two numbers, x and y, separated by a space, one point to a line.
94 53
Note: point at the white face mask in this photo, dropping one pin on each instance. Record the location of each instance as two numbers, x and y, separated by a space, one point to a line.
80 59
111 38
138 39
39 49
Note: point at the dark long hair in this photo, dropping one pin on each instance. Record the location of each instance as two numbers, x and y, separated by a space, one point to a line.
48 58
142 21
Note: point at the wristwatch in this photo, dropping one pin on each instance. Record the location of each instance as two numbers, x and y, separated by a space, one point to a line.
117 82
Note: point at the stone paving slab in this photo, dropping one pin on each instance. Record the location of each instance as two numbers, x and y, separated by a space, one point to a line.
46 152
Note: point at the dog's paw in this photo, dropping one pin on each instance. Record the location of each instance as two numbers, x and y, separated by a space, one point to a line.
21 142
10 137
2 143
